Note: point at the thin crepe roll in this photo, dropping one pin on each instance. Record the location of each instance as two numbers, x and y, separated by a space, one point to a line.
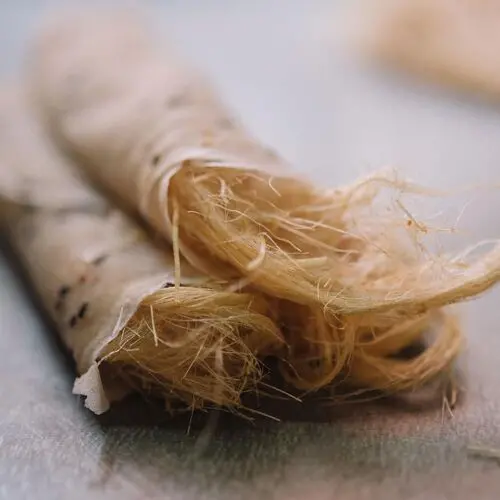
110 291
355 285
153 132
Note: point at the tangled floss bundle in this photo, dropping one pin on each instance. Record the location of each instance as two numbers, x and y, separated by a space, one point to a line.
352 284
196 345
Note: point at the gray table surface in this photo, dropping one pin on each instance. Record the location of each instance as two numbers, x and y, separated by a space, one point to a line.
275 64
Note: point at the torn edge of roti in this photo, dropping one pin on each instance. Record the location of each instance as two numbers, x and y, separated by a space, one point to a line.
90 386
98 393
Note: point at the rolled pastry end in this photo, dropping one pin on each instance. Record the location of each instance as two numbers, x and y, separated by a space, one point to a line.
196 345
348 251
361 285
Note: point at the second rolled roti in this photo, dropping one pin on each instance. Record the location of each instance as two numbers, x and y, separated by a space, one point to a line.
454 42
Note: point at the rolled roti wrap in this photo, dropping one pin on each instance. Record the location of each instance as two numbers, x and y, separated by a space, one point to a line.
153 132
111 291
355 285
450 42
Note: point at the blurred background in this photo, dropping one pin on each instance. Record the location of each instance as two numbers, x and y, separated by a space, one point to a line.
283 66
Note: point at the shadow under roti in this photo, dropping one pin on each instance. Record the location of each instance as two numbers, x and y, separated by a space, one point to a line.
225 456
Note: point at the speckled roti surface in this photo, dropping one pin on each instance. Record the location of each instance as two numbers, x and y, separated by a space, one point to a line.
88 262
273 64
